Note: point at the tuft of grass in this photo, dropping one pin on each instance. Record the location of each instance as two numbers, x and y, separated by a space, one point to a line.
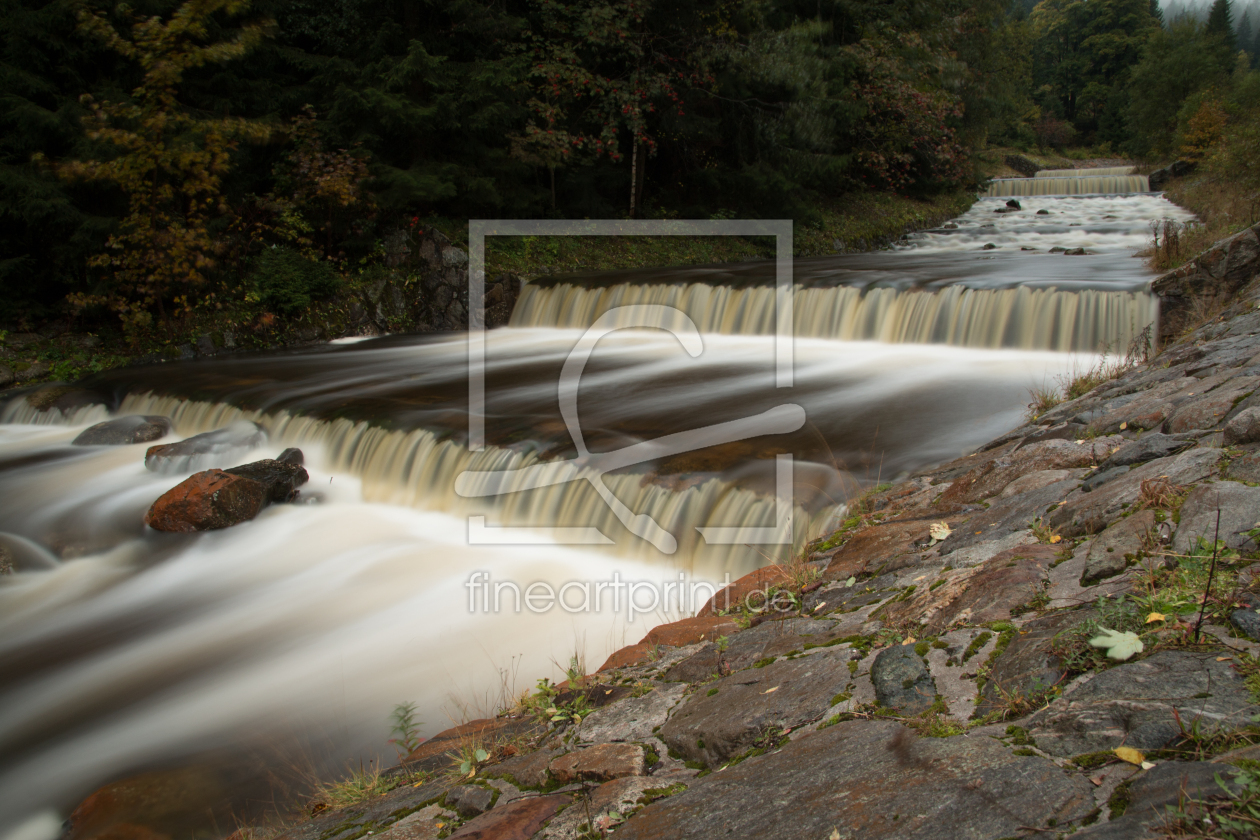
363 784
1079 382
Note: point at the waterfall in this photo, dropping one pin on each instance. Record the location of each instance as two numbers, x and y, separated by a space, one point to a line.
1053 184
1023 318
417 468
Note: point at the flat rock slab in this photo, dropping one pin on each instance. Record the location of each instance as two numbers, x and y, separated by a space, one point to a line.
600 763
1132 704
1152 792
774 638
688 631
632 719
979 594
122 431
902 680
956 680
374 815
425 824
524 771
432 754
885 547
1113 549
871 780
1008 516
1090 513
1240 511
621 796
1027 668
727 717
1147 448
517 820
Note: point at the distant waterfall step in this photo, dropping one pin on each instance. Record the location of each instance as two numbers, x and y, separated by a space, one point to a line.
1112 181
1019 318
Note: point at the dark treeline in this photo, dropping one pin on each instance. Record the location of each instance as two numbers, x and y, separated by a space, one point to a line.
169 157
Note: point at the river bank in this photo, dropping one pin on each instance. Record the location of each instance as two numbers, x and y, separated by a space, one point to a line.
926 670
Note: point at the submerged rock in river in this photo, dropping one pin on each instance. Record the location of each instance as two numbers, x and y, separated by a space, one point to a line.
238 437
122 431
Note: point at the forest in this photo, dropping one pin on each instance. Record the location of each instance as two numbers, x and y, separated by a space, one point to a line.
163 159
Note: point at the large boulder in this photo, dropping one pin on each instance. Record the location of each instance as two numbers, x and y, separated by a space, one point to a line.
224 444
281 478
134 428
207 501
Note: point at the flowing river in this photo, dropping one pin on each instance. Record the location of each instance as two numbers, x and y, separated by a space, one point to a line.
286 641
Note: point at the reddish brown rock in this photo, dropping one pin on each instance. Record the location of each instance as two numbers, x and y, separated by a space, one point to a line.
885 547
148 806
600 763
518 820
978 595
630 655
1209 410
750 590
689 631
484 730
992 477
207 501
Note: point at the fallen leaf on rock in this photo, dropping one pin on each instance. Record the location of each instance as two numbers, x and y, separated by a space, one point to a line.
1153 617
1056 539
768 690
910 640
821 604
1130 755
1147 765
850 582
1124 426
1119 646
1098 780
939 531
1223 658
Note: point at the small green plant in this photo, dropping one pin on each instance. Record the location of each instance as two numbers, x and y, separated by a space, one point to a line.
722 643
405 729
571 712
468 759
1117 618
1233 816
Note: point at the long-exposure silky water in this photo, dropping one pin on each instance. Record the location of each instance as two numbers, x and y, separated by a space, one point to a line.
291 637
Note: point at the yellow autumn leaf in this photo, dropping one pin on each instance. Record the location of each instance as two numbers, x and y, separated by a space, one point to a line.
1154 617
1124 426
939 531
1056 539
768 690
1130 755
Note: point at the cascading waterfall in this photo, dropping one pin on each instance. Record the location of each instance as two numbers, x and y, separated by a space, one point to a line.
418 469
1030 319
1074 185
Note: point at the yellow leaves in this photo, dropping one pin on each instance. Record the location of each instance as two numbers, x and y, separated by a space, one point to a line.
1134 757
1055 539
771 690
1154 617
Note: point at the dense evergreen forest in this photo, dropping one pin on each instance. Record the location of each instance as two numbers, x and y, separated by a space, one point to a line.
167 158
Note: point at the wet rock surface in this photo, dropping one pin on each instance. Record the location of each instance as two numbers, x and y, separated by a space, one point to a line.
122 431
207 501
220 445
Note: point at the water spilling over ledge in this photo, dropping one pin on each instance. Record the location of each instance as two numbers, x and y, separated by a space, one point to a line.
1031 319
1073 185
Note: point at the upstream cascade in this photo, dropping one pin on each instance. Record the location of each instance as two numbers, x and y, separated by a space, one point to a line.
288 640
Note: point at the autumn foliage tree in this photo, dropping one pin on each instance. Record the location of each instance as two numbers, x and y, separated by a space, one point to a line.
169 160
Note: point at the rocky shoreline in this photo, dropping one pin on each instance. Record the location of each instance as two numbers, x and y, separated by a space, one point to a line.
927 670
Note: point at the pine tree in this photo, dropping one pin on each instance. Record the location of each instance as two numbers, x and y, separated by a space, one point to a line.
1246 34
1221 22
1157 12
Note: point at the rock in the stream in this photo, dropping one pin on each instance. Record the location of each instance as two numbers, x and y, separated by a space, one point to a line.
221 444
734 713
1132 704
872 780
902 680
1111 551
207 501
134 428
282 479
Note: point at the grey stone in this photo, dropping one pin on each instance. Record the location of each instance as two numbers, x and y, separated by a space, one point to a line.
1240 511
1101 477
1085 513
1027 668
134 428
1243 428
421 825
773 638
902 680
872 780
1151 793
470 800
755 704
1146 448
1133 703
1011 515
373 815
1111 550
1248 622
206 450
525 771
631 719
698 667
